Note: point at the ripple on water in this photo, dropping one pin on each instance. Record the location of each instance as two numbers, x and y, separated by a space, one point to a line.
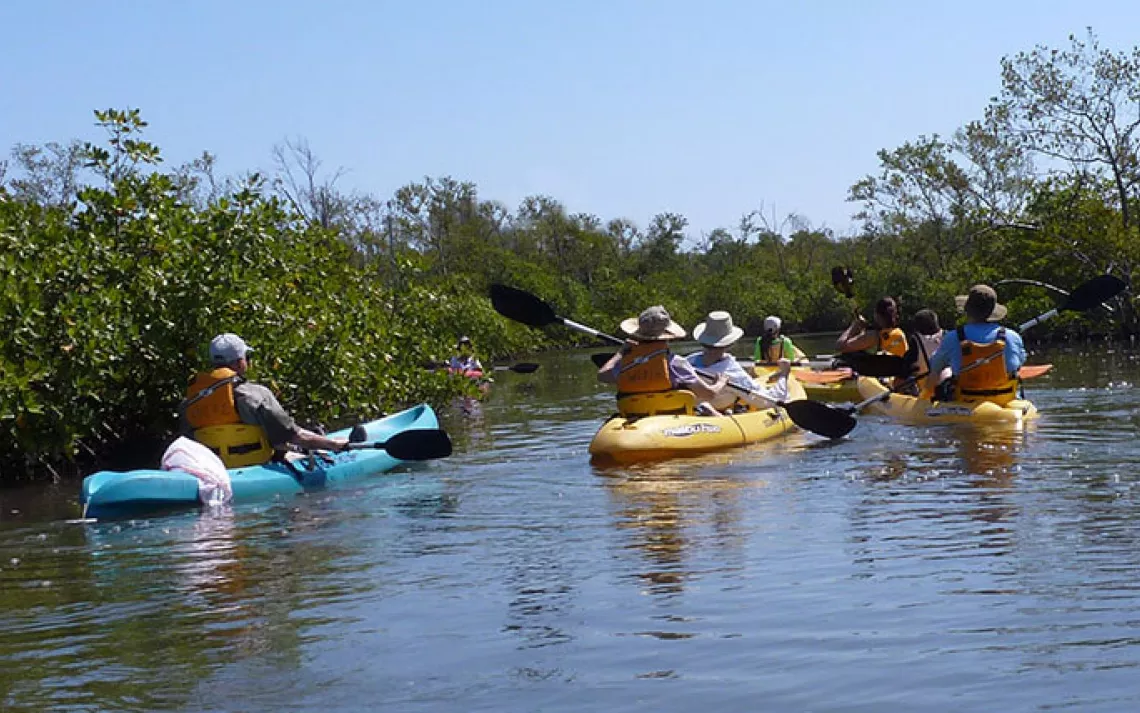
930 568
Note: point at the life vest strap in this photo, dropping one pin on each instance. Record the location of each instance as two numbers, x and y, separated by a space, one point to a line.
989 392
235 379
645 358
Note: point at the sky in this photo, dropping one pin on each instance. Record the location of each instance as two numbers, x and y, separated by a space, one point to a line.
618 108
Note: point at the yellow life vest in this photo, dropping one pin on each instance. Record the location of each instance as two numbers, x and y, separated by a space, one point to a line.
212 412
645 369
988 381
667 403
892 341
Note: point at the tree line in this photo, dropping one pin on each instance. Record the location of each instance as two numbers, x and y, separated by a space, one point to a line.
115 271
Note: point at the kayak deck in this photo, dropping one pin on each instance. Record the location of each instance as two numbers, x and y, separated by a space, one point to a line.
911 409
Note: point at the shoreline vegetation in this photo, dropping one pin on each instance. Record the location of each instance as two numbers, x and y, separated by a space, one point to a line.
115 271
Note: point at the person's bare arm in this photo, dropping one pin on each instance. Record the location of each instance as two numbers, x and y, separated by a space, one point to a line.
856 337
705 391
315 441
608 374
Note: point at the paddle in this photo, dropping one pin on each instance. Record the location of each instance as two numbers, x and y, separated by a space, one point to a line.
413 444
844 280
1089 295
525 367
601 359
1031 371
877 365
522 306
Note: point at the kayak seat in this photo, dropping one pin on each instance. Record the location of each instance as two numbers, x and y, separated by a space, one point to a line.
666 403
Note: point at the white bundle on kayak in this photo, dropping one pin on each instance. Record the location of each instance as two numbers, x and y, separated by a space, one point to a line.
190 456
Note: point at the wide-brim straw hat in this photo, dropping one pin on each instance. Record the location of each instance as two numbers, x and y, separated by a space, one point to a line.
717 330
652 324
981 300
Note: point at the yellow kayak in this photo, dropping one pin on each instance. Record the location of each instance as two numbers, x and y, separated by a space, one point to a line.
627 439
835 385
835 391
911 409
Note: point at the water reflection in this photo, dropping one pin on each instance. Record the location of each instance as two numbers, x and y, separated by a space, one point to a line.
998 569
679 512
135 614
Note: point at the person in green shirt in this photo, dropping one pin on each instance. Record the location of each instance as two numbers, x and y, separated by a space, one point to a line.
772 346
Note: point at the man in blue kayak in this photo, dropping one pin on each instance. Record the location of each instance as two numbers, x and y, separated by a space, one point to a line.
241 421
983 356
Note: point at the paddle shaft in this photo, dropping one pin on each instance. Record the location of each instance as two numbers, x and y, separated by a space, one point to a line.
700 372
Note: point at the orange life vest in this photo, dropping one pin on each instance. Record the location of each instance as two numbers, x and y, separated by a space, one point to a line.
211 399
988 380
645 369
212 412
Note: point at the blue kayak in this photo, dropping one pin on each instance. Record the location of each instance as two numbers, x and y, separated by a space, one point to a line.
117 494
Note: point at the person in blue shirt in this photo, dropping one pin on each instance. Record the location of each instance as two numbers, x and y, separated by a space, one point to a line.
983 356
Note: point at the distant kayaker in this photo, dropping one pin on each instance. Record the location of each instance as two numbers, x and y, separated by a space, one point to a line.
243 422
771 346
716 335
885 338
464 360
984 357
645 365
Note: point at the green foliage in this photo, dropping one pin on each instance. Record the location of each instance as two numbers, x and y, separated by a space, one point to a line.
107 311
109 293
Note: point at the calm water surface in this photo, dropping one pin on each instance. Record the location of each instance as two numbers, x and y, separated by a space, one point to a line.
903 568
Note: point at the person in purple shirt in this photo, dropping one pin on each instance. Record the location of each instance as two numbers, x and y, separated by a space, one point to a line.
649 334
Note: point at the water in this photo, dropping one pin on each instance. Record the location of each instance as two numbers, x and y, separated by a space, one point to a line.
904 568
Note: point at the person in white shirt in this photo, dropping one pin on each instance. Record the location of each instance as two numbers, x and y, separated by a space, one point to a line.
716 335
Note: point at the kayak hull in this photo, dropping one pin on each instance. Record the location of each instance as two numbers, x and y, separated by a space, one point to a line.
623 441
911 409
109 494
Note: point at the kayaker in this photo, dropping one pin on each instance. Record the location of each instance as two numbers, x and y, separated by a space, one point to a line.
771 346
924 343
464 361
645 365
884 338
984 357
243 422
716 335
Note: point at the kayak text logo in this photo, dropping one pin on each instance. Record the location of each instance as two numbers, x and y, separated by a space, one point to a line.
690 430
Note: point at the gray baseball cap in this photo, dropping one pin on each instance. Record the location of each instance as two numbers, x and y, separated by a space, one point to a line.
227 348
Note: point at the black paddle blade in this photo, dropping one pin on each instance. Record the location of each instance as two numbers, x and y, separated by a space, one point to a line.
877 365
820 418
358 434
600 359
844 280
417 444
521 306
1093 293
524 368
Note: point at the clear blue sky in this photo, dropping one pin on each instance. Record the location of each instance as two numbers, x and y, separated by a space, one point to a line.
619 108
